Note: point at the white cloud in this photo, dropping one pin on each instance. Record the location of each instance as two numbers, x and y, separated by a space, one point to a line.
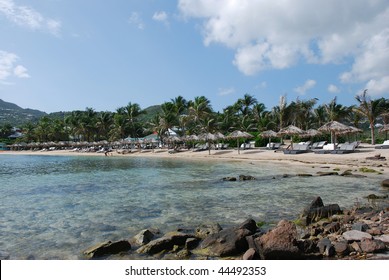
279 34
7 68
161 17
226 91
28 17
21 72
136 20
333 89
309 84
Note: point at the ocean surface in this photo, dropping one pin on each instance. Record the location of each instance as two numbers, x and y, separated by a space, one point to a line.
55 207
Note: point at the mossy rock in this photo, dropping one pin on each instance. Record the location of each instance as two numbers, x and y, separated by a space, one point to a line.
367 170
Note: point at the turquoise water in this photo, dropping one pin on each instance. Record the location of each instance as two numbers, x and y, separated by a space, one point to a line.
54 207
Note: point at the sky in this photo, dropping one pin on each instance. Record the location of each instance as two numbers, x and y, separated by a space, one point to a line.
64 55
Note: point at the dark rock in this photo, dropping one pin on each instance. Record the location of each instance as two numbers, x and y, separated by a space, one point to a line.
316 211
246 177
191 243
143 237
385 183
307 246
280 242
230 241
372 246
250 254
360 226
304 175
325 247
355 235
346 173
108 248
230 179
330 173
204 230
341 248
374 196
165 243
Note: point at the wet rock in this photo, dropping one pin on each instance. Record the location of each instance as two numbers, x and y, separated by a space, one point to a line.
246 177
330 173
108 248
280 242
374 196
250 254
355 235
191 243
230 179
304 175
143 237
317 211
341 248
385 183
372 246
204 230
165 243
325 247
230 241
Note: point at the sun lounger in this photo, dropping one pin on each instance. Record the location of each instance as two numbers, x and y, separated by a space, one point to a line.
298 149
384 145
273 146
345 148
327 148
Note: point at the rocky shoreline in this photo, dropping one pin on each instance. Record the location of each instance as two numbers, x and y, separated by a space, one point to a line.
321 232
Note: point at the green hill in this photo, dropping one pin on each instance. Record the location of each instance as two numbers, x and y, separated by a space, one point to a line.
11 113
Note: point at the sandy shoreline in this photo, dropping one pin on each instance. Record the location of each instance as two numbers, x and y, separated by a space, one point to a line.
353 161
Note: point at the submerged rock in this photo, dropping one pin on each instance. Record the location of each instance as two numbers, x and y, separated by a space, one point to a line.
108 248
385 183
246 177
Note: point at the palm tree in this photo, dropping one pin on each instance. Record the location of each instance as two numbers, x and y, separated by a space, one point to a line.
335 111
245 104
199 110
370 109
104 124
132 112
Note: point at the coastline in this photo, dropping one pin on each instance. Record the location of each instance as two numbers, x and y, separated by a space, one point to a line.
363 157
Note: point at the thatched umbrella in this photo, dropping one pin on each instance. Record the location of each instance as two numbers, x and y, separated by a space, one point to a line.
290 130
237 134
208 137
334 128
269 134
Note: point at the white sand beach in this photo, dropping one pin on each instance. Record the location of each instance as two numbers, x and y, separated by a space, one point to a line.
364 156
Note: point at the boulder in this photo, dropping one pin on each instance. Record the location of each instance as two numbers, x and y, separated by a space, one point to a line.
316 211
385 183
246 177
372 246
108 248
230 241
280 242
204 230
355 235
165 243
143 237
191 243
341 248
384 238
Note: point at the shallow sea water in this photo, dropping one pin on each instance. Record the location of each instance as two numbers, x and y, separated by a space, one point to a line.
54 207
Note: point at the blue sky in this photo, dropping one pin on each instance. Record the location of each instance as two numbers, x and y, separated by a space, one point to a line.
60 55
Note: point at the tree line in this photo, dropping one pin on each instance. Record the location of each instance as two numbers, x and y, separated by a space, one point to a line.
197 116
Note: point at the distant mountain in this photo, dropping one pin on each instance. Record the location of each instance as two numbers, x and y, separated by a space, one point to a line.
11 113
16 116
